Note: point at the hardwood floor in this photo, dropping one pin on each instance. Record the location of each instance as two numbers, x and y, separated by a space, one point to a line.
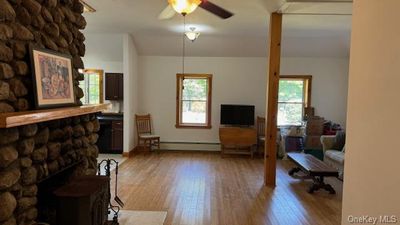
205 189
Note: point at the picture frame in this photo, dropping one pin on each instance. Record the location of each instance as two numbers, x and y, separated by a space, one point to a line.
53 82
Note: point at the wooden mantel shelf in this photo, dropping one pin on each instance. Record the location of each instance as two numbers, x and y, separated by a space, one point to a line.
15 119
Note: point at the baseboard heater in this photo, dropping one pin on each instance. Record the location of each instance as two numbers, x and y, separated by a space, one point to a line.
190 146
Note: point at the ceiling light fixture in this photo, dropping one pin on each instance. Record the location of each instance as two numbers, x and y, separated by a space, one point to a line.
184 7
192 35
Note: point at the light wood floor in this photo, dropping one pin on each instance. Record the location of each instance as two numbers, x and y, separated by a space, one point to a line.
205 189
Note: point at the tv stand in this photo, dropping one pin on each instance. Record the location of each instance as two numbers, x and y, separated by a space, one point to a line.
237 140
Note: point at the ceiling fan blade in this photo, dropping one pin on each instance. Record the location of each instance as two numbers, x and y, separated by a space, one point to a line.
214 9
167 13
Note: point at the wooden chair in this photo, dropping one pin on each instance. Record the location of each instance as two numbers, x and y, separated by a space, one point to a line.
146 139
260 132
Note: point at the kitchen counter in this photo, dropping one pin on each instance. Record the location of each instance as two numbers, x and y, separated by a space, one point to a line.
111 116
111 133
112 113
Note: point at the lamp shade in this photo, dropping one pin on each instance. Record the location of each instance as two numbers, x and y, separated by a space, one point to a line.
184 6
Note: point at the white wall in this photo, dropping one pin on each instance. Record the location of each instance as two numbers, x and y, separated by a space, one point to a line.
235 80
371 185
104 51
107 66
329 84
130 60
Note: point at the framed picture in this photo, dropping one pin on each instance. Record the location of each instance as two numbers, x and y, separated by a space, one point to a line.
52 78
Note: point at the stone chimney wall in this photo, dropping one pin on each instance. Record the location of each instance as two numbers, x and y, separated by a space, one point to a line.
31 153
51 24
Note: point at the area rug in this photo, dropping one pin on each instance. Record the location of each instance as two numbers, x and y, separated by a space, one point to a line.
128 217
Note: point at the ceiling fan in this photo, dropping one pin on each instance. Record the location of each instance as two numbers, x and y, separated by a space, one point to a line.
185 7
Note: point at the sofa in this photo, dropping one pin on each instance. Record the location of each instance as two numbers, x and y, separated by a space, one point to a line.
334 151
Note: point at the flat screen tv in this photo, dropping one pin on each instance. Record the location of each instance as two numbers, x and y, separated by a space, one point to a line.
239 115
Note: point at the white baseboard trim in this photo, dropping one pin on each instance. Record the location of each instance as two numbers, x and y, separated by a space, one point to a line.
183 146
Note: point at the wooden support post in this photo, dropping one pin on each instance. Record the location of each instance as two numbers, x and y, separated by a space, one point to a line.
275 33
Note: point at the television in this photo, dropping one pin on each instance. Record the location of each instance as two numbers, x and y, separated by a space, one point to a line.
239 115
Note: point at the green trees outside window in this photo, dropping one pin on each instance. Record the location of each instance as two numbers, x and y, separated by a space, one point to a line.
293 97
92 86
193 100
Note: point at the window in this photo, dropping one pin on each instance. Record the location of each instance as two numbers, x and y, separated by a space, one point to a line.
92 86
294 95
193 101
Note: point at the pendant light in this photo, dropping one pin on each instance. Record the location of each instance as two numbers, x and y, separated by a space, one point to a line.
192 35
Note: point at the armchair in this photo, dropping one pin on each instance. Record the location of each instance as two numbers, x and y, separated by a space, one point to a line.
333 157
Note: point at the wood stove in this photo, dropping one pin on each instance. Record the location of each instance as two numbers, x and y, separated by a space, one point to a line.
83 201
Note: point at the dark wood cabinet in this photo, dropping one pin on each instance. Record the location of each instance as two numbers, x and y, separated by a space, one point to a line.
114 83
117 136
111 133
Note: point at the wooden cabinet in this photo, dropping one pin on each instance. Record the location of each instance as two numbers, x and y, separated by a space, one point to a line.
114 86
117 136
237 140
111 133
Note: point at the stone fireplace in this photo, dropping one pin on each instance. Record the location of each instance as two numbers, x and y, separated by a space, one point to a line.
51 24
31 155
39 146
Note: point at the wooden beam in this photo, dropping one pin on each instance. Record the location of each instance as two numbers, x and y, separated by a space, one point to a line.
275 36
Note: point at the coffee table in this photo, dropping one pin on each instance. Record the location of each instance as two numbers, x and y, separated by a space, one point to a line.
314 168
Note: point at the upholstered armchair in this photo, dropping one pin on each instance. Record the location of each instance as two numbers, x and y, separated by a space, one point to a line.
327 141
333 157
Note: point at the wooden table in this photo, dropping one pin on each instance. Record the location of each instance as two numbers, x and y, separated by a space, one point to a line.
237 140
315 168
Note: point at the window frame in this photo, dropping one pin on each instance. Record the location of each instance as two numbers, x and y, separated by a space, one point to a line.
179 80
99 73
307 79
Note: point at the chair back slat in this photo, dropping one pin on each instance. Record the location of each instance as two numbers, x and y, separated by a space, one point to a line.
260 126
143 124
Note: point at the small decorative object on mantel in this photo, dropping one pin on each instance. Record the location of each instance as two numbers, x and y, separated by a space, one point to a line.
52 78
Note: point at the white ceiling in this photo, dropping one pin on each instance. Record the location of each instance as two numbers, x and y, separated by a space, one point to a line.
243 35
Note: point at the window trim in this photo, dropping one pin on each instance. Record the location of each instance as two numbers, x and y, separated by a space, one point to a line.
307 90
100 73
179 124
